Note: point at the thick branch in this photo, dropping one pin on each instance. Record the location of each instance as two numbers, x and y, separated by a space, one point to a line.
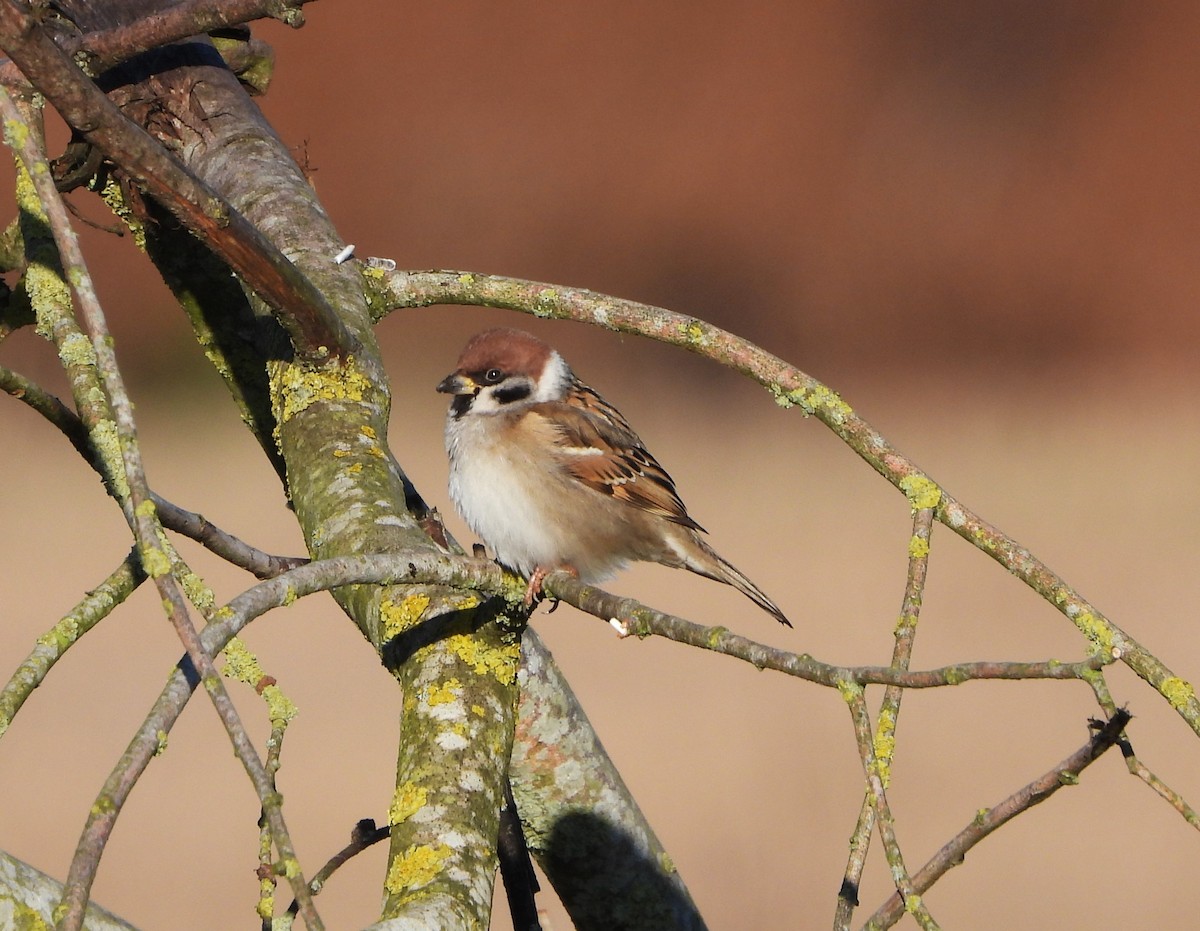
316 331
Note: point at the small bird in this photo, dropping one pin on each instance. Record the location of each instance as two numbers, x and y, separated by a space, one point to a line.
551 476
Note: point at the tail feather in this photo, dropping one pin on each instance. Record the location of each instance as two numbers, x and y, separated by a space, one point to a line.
721 570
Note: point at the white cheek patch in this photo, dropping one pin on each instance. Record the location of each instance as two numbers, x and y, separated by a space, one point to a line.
555 379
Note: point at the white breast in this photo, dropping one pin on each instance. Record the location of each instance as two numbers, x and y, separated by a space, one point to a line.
503 495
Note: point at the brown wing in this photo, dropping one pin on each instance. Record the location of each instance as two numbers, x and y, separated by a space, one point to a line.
598 447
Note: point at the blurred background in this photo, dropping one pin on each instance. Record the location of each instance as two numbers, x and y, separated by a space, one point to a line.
978 222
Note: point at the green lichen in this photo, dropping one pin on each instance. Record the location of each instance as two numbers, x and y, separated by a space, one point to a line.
161 746
918 547
1178 692
397 618
111 195
956 676
912 903
500 662
77 350
406 802
545 303
418 866
849 689
197 591
107 444
922 491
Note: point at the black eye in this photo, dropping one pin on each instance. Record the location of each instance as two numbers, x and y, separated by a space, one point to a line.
492 376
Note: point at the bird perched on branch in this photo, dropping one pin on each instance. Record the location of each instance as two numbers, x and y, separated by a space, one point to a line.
551 476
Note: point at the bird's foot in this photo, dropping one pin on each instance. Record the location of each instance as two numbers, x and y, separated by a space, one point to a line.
534 590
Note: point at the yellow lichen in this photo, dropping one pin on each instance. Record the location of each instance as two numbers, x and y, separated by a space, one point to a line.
241 664
1178 692
912 903
693 332
155 562
918 547
397 618
1096 630
444 693
408 800
500 662
849 689
885 745
368 432
922 492
295 387
416 867
280 708
76 350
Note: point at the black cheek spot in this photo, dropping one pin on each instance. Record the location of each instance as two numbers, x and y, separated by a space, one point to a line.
512 393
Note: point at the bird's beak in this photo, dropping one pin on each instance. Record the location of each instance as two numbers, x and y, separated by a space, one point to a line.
458 383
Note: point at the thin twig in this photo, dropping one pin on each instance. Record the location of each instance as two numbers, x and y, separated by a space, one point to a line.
93 608
889 711
1066 773
905 887
182 521
101 50
790 387
364 835
139 511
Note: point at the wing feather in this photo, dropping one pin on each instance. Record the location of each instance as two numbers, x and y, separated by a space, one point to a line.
597 446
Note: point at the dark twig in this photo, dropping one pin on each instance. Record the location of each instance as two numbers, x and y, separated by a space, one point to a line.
316 330
101 50
364 835
1066 773
516 867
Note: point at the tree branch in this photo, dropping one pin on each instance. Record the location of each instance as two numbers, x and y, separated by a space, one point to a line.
790 387
1066 773
316 330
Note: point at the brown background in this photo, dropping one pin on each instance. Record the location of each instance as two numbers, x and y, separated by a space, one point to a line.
977 222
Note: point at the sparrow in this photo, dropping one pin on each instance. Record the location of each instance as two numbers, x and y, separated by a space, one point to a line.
551 476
